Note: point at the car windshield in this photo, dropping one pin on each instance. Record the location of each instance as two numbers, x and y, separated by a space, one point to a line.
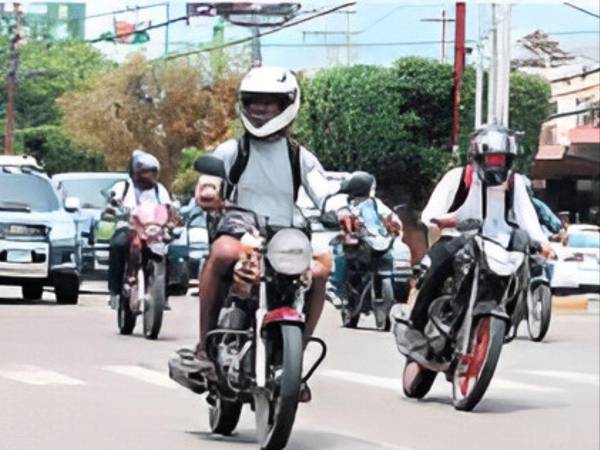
585 239
26 192
91 192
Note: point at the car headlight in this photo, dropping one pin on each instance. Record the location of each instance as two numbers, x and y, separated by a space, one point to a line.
198 235
289 252
63 235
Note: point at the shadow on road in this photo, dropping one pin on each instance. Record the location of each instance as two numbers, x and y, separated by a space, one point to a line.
495 405
300 440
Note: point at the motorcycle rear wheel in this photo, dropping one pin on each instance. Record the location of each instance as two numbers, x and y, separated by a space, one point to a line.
474 372
154 305
539 313
224 416
275 418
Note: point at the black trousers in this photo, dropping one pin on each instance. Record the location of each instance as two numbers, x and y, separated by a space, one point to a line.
442 256
117 260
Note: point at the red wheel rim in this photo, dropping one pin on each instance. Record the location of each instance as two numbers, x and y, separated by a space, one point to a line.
473 362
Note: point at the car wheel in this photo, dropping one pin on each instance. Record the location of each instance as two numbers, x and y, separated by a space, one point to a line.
66 289
32 291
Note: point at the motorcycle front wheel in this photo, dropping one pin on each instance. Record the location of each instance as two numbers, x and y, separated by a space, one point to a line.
416 379
475 370
539 312
224 416
125 316
154 298
276 411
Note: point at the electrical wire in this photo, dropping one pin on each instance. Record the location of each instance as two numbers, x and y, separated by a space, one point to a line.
583 10
141 30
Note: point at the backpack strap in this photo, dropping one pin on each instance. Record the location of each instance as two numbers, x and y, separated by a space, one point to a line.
125 191
239 165
156 193
463 188
294 150
509 201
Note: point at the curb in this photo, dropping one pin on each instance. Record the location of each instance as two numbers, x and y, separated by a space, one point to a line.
570 303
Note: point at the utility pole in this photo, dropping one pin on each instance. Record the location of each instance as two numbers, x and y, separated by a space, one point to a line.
492 72
444 20
256 50
11 89
168 14
459 67
499 72
348 34
479 73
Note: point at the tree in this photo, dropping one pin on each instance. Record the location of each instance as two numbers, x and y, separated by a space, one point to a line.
396 122
46 71
162 107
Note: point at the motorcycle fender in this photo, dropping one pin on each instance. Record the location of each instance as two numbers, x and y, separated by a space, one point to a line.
490 309
284 314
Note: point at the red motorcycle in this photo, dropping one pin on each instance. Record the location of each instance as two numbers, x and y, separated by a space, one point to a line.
146 271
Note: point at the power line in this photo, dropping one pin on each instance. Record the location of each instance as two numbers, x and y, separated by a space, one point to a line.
364 44
583 10
261 34
119 11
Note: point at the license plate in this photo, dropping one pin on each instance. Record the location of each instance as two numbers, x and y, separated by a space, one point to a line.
18 256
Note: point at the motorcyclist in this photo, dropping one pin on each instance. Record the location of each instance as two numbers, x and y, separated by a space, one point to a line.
374 215
143 188
487 189
265 168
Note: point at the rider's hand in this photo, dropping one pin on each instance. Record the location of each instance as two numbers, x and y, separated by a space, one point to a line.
208 193
393 225
446 221
547 251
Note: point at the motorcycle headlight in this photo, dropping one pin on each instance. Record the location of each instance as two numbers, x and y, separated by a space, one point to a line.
152 230
289 252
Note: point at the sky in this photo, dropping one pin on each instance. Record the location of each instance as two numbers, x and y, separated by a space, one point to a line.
389 28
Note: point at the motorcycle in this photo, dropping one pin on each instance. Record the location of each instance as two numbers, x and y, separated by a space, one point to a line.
257 347
468 323
372 283
145 288
535 304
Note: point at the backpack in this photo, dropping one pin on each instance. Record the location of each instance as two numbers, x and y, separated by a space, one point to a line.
466 180
243 155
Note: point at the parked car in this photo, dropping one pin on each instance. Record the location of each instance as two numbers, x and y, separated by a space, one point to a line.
39 239
577 269
92 189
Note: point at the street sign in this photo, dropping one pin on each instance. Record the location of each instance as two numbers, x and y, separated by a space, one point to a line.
253 14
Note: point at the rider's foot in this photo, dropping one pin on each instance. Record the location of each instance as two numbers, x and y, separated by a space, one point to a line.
305 394
204 365
167 306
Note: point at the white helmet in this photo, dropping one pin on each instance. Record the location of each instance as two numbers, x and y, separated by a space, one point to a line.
273 81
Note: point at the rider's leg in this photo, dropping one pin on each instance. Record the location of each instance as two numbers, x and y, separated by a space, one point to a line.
118 253
441 255
224 253
316 296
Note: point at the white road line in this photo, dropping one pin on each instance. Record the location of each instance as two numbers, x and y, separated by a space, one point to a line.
395 384
40 377
576 377
146 375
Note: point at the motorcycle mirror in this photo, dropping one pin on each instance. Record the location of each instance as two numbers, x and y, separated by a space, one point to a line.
329 220
210 165
358 184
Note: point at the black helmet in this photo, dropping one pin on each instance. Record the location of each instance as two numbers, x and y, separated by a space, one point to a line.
493 149
359 184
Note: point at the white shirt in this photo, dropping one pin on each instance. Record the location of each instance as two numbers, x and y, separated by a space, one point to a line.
494 225
135 196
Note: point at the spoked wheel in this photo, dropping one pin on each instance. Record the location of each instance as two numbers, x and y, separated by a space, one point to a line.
276 407
154 298
539 311
416 379
224 416
475 370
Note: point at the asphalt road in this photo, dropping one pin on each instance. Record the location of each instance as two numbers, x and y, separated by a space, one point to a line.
69 381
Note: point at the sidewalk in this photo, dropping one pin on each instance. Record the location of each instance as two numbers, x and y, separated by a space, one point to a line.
576 303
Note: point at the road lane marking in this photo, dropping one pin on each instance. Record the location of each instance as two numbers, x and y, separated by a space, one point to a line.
395 384
577 377
40 377
142 374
